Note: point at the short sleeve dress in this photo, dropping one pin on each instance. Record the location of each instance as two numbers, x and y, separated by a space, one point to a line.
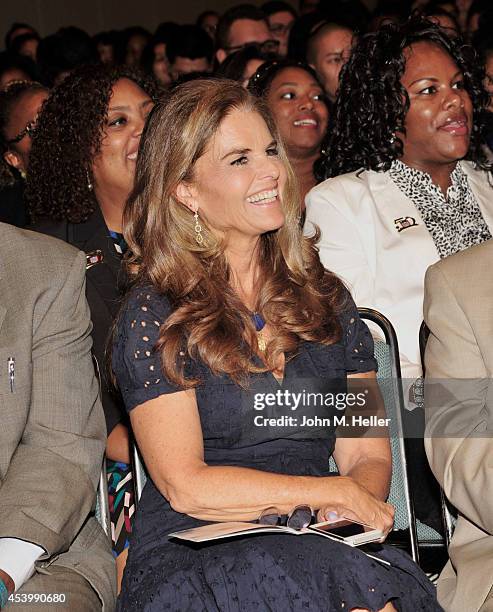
274 572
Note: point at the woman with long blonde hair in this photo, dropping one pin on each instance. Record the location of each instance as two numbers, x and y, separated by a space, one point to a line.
229 298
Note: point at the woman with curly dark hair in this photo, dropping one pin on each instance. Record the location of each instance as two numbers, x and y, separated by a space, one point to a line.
297 101
20 103
408 184
80 174
407 140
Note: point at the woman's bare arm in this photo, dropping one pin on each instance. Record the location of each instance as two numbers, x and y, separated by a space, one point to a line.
169 434
367 460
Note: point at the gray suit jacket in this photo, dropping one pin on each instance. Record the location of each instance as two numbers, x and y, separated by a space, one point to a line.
52 429
459 409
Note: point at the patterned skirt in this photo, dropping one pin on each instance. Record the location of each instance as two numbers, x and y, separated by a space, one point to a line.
121 503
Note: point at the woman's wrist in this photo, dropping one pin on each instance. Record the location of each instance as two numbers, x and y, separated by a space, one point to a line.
342 489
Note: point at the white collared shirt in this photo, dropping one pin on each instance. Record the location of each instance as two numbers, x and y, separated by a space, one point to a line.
17 559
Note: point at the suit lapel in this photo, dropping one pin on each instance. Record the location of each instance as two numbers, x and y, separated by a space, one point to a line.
393 205
93 235
400 222
106 276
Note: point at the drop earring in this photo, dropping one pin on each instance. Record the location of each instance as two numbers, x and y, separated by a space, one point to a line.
89 182
198 229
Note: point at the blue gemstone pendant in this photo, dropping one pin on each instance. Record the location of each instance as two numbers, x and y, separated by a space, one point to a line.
259 323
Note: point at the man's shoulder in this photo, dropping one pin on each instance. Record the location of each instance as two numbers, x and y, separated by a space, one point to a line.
474 261
23 250
467 275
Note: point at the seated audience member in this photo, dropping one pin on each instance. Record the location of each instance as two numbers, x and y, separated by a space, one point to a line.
155 62
107 44
16 68
485 28
459 413
17 29
240 26
20 103
474 15
400 194
280 17
60 53
190 50
488 66
485 49
154 59
213 228
135 40
26 45
297 102
399 188
242 65
52 436
328 49
462 10
80 173
208 21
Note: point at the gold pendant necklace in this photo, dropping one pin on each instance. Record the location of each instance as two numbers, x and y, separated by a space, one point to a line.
259 322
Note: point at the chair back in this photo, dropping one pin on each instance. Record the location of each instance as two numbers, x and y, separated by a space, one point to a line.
102 511
389 381
140 475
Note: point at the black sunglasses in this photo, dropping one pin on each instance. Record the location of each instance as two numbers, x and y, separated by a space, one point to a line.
298 518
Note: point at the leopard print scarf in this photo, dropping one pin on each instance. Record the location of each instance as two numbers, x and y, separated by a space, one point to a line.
455 222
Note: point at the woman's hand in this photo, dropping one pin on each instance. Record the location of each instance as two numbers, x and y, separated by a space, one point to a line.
361 506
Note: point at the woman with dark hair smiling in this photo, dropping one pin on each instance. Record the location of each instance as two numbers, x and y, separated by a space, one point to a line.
399 188
400 194
20 103
242 65
296 99
81 172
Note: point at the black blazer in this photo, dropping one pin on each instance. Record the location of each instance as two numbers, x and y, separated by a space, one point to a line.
105 283
12 205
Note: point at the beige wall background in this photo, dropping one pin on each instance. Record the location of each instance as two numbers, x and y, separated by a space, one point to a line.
97 15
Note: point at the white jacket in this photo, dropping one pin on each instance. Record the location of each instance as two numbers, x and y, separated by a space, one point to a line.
374 238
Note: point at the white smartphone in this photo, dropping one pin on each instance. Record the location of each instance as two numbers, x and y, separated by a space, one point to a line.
351 532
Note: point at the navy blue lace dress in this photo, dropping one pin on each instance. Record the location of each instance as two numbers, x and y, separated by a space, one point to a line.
263 572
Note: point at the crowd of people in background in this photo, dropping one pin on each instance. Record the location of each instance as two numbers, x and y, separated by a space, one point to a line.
339 82
234 45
